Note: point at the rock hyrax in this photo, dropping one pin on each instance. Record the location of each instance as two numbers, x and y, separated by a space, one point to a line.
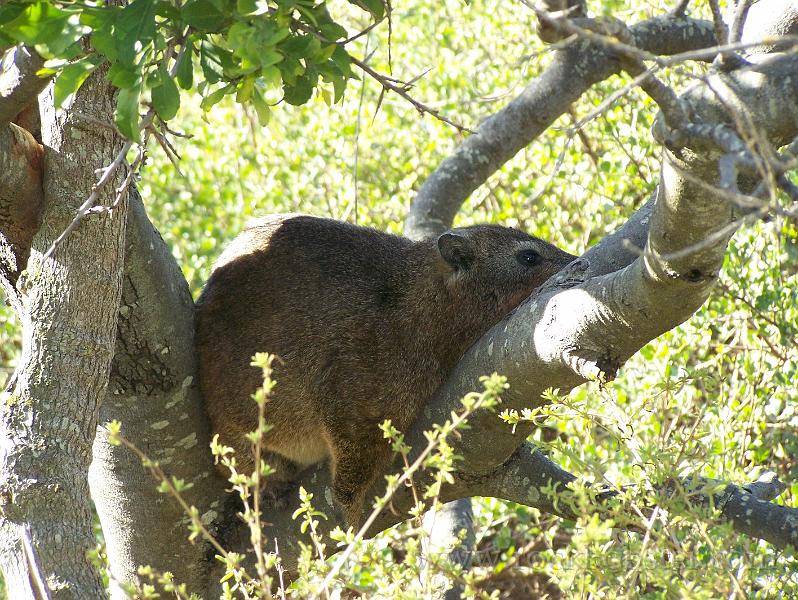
366 326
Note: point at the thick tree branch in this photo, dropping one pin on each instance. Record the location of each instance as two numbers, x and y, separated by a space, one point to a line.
153 393
19 84
70 303
573 70
560 338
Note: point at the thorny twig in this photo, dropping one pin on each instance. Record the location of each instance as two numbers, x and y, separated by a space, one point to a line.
401 89
389 83
614 35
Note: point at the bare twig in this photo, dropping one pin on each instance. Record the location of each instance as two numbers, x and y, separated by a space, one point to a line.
107 173
40 589
360 33
402 90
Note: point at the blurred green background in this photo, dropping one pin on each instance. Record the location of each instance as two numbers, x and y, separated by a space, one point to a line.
713 397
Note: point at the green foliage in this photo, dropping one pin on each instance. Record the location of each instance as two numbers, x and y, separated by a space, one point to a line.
256 51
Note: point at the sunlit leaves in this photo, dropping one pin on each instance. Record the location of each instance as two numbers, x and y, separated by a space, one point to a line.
375 7
72 77
301 90
184 68
258 52
53 31
214 60
133 28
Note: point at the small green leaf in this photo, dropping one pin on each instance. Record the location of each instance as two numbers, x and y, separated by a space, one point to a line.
39 23
122 76
269 58
104 42
166 97
137 20
342 60
215 61
214 97
252 8
375 7
261 108
185 68
245 88
297 46
300 92
134 26
9 12
126 115
271 77
205 15
72 77
339 87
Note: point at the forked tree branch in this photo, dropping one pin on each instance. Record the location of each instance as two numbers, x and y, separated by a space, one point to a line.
573 70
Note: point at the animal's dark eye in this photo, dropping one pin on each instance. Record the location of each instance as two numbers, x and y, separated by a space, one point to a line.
529 258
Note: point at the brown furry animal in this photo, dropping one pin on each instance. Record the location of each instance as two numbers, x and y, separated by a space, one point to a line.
366 325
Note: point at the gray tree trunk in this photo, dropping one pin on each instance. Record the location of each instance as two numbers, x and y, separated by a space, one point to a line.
68 318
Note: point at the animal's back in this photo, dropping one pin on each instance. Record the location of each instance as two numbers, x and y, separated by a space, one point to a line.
307 290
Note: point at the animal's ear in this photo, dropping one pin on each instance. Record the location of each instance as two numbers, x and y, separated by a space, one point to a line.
457 249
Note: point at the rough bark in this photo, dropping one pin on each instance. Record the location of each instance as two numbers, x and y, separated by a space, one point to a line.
19 84
21 199
70 304
153 393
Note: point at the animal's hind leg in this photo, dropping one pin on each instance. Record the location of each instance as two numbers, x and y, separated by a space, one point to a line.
356 464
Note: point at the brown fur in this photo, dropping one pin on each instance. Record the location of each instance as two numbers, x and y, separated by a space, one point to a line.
366 326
